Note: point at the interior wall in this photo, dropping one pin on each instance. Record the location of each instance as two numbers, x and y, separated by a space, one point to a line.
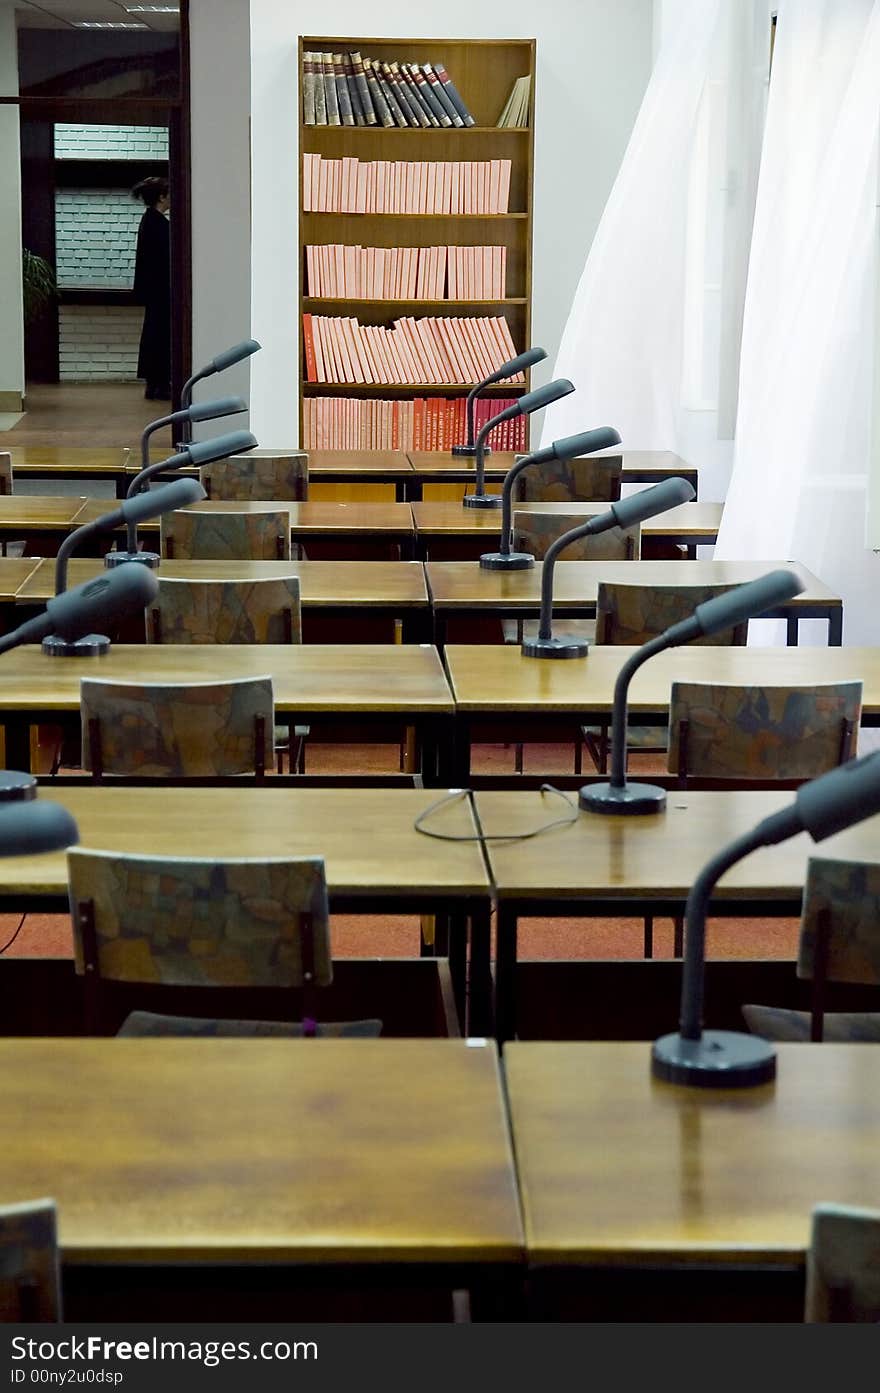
11 309
593 64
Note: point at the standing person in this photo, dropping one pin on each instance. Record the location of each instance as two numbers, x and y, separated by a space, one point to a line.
152 288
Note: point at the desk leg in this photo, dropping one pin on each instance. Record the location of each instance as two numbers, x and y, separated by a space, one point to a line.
835 626
456 952
505 974
791 630
479 1020
17 732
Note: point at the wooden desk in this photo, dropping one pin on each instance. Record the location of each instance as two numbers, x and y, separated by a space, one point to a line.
253 1152
474 530
74 462
460 587
385 589
14 572
636 866
639 466
617 1169
361 467
314 683
375 861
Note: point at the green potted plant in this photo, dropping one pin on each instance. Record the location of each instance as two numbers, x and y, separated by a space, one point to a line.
38 284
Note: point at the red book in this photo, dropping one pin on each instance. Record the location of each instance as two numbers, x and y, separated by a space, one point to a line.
309 345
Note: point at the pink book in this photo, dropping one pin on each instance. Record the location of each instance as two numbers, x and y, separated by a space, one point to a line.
339 270
409 350
451 272
399 365
343 186
502 271
312 280
363 172
494 343
466 326
376 369
320 200
422 261
307 183
490 356
324 366
441 272
504 187
340 348
359 365
443 329
494 201
489 281
379 205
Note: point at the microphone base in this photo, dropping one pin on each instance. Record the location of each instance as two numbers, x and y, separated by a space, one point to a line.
554 648
481 500
468 451
120 558
719 1059
91 646
506 561
633 800
16 786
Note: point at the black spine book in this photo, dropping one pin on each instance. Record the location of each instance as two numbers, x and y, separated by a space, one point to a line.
415 92
308 90
333 118
346 115
449 88
354 95
400 119
408 90
436 87
320 97
395 83
443 119
382 109
360 77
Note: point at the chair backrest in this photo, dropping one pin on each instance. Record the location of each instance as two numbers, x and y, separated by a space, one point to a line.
283 475
226 611
30 1281
843 1265
181 730
590 479
5 472
221 536
840 930
761 733
533 532
631 614
193 922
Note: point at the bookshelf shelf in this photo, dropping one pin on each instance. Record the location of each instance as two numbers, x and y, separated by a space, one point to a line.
484 72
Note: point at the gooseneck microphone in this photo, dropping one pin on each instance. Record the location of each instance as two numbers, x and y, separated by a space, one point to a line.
151 504
508 369
524 406
201 411
569 447
198 453
626 512
74 613
38 827
726 1058
721 612
223 360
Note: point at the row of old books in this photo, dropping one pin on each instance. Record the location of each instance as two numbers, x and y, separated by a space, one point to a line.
349 185
344 89
406 273
414 351
422 423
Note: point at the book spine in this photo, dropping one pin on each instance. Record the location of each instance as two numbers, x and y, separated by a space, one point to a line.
428 97
426 115
391 73
437 90
308 90
309 346
320 95
382 109
391 100
453 94
407 93
343 100
360 77
354 95
330 90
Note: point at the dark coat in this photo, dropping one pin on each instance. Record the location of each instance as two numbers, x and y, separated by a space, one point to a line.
152 289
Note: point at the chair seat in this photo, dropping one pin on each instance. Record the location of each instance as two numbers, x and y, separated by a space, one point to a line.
515 630
147 1023
637 737
787 1026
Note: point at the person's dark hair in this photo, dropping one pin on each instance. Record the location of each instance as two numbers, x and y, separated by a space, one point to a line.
150 190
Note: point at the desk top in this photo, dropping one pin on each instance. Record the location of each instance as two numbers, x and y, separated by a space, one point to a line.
14 571
69 459
496 677
462 585
38 511
354 584
661 855
617 1168
365 835
335 678
438 463
256 1150
335 519
450 519
355 463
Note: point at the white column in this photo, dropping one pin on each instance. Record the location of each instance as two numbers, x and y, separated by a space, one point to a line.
11 307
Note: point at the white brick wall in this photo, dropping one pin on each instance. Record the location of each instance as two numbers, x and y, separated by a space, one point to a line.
99 343
111 142
95 236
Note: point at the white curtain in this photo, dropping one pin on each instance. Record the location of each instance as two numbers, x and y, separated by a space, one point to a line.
798 487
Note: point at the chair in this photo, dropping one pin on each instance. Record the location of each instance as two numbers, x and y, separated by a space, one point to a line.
839 942
843 1266
177 731
590 479
185 922
534 532
215 536
721 732
30 1280
260 477
233 611
5 472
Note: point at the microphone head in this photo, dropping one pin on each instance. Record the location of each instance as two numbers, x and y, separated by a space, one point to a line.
235 354
27 830
90 607
573 446
543 396
237 442
152 503
515 365
747 601
210 410
840 798
649 502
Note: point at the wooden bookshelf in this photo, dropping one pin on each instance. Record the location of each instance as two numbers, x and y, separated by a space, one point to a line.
484 71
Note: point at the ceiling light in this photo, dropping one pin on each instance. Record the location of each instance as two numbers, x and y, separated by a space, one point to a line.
152 9
105 24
